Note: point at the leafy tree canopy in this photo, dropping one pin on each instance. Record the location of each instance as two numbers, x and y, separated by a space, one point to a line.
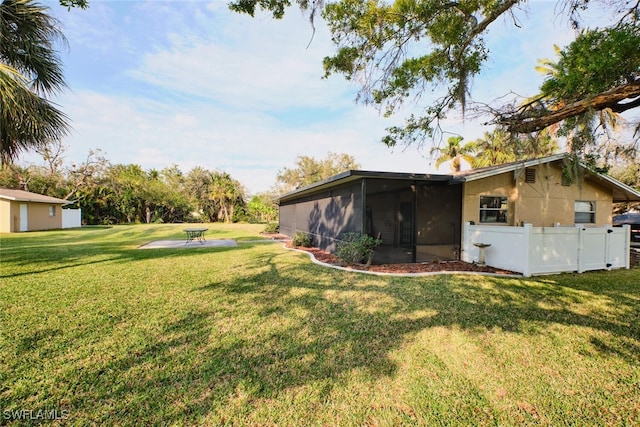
82 4
309 170
401 49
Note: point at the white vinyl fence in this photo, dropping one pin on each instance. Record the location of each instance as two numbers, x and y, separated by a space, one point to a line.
71 218
540 250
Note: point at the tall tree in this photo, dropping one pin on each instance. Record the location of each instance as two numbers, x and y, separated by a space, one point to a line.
262 208
499 147
227 193
197 184
455 152
400 49
30 70
127 182
309 170
216 195
571 103
493 149
598 72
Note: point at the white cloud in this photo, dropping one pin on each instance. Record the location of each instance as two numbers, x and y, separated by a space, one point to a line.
247 64
224 91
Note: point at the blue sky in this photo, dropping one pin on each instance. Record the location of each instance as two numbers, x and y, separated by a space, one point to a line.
158 83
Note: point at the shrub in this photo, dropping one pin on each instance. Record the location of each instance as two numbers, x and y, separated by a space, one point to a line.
302 239
272 227
357 248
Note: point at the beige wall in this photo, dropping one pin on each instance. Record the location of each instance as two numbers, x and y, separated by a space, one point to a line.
38 216
6 223
499 185
542 203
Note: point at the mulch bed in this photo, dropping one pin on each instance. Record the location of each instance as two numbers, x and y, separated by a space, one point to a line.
421 267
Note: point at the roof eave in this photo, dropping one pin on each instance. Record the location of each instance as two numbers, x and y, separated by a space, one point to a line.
352 175
23 199
627 193
316 186
473 176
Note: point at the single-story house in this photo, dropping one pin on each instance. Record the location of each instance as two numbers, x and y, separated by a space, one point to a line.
26 211
420 217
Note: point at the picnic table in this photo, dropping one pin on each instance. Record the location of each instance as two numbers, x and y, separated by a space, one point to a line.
195 234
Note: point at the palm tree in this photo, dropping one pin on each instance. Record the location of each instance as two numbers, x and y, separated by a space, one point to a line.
227 193
30 70
500 147
493 149
455 152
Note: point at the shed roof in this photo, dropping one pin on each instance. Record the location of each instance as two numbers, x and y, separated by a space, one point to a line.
620 191
27 196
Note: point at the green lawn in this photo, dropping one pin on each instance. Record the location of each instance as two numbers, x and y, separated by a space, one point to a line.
106 334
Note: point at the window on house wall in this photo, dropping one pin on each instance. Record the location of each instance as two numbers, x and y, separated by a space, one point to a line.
584 212
52 211
493 209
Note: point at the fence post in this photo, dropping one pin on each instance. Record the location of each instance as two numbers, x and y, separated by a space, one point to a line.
526 250
580 250
627 246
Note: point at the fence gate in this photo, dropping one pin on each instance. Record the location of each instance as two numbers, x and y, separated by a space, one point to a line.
592 249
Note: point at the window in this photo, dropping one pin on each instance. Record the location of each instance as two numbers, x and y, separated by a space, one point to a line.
52 211
493 209
585 212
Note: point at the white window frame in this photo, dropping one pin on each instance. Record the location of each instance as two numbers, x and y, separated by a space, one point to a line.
52 211
579 204
502 211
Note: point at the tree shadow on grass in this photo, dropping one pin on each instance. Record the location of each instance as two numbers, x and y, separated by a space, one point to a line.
286 325
60 257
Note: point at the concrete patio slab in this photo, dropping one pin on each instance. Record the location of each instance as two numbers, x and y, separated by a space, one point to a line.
178 244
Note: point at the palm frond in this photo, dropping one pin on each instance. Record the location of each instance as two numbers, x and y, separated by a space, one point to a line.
27 121
28 39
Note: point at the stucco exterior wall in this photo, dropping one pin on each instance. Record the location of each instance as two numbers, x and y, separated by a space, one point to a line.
6 215
541 203
37 216
499 185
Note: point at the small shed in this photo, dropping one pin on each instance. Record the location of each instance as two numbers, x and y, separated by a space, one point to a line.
26 211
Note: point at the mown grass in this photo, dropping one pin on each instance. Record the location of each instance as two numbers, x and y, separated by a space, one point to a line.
258 335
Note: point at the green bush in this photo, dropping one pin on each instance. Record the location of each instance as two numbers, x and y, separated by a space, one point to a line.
302 239
272 227
357 248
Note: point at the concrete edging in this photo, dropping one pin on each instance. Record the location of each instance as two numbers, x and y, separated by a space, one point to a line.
426 273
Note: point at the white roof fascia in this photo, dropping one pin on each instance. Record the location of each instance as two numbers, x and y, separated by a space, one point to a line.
511 167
